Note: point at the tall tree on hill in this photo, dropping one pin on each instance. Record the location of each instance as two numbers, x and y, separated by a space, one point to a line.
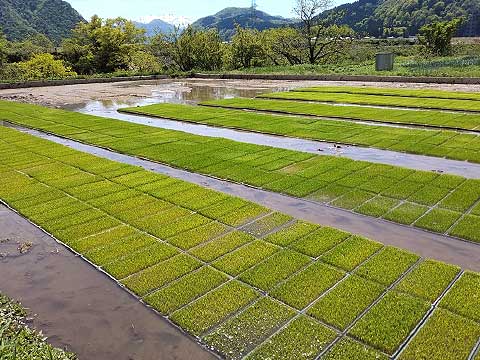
320 37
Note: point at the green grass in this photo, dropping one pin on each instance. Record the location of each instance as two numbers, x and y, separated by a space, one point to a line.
19 340
445 336
301 339
348 349
185 290
387 266
378 99
275 269
261 319
351 253
344 303
390 321
349 184
464 297
209 310
428 280
306 286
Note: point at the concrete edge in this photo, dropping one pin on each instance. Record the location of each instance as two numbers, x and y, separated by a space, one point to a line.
365 78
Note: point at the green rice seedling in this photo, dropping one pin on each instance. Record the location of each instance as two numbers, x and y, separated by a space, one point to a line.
54 208
181 225
138 178
220 246
438 220
245 257
406 213
445 336
306 286
82 230
209 310
320 241
113 198
275 269
344 303
93 190
351 252
223 207
267 224
199 235
136 261
82 217
428 280
50 195
305 188
463 297
119 233
378 206
402 190
261 319
302 339
353 199
118 249
390 321
242 215
387 266
161 274
468 228
329 193
429 195
185 290
349 349
463 197
291 233
157 220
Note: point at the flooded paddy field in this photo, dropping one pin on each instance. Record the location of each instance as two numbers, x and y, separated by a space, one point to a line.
241 244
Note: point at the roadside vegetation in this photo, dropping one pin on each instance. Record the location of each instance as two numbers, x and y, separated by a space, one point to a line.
315 45
259 291
19 341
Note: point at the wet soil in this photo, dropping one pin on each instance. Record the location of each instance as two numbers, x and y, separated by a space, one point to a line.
424 243
79 308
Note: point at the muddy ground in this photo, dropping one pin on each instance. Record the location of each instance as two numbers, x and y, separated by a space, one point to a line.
67 95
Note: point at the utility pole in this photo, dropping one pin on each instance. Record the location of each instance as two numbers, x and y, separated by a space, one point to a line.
254 8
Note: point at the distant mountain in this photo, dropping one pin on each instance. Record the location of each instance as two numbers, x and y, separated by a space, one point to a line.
225 20
155 26
22 18
406 17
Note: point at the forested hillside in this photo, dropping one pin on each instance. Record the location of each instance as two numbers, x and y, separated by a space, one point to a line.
21 18
405 17
225 21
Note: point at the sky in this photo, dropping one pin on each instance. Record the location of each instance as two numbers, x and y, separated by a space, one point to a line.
177 9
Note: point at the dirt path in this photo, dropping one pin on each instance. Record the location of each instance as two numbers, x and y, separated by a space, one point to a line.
78 307
186 89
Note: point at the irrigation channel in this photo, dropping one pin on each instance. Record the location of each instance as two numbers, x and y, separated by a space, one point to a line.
418 162
80 308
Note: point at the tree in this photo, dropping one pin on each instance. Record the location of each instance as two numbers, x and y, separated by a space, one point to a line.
103 45
189 50
44 66
436 38
246 48
321 38
284 45
3 49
